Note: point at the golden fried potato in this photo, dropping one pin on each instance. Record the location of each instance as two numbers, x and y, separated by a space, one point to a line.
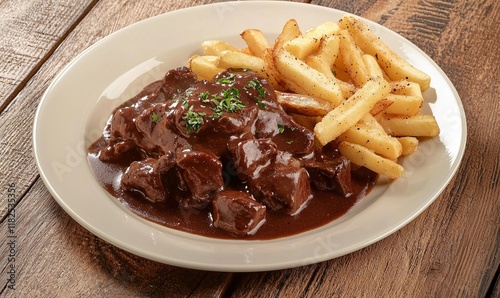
393 65
351 110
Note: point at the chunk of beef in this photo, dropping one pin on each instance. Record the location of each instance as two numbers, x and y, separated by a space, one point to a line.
219 131
155 124
252 156
122 125
332 174
123 128
237 213
145 176
285 189
275 178
177 79
284 132
236 123
201 173
117 151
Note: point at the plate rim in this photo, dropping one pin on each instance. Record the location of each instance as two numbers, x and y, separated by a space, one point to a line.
234 267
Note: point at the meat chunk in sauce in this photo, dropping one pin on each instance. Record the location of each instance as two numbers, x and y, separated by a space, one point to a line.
175 138
237 212
201 173
145 176
274 178
330 171
333 174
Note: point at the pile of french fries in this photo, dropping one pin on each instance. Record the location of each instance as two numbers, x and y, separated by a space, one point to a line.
340 80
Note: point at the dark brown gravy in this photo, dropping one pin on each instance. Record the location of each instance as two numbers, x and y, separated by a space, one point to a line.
321 208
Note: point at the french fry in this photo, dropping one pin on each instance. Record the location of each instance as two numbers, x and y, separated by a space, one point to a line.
324 59
290 31
256 41
351 110
325 29
204 66
374 139
393 65
371 122
320 65
339 70
353 60
348 85
381 106
303 104
404 87
215 47
328 49
303 45
409 145
363 156
307 78
236 59
372 67
407 105
272 71
413 126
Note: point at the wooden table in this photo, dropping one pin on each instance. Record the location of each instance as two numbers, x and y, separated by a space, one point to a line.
451 250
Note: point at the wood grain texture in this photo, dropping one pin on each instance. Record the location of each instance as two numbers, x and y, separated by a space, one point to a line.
18 166
451 250
30 32
17 120
56 257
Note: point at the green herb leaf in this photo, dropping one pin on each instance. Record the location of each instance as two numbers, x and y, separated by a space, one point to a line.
205 96
260 103
229 79
231 93
194 120
155 117
281 128
228 102
256 84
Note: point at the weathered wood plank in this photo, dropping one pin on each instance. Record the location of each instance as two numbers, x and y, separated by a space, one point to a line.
30 32
17 162
56 257
452 249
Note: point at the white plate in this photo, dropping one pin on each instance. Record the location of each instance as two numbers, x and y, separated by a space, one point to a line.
74 108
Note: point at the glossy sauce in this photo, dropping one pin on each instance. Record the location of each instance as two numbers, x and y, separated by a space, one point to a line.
322 208
135 137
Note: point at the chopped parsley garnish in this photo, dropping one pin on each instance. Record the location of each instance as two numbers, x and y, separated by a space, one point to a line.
155 117
205 97
183 97
228 102
231 93
229 79
281 128
256 84
194 120
260 103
